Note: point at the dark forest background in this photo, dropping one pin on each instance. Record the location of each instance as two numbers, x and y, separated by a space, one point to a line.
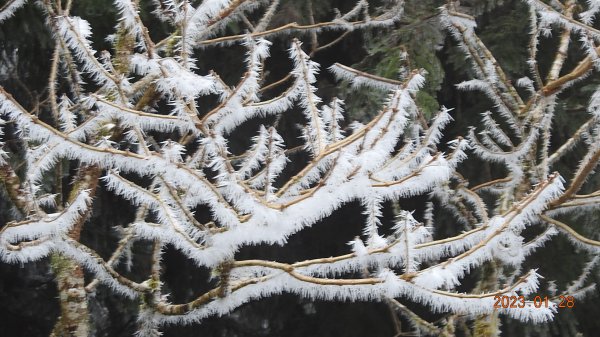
28 305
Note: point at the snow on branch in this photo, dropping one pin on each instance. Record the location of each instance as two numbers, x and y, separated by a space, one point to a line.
550 16
9 8
305 71
76 33
588 16
386 283
38 237
500 238
359 79
132 22
491 78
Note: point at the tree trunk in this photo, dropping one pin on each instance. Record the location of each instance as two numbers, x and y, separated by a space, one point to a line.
74 317
74 320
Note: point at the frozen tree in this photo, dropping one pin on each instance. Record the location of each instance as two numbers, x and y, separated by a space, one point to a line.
134 120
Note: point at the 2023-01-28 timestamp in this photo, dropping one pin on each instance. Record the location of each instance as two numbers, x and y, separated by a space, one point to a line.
505 302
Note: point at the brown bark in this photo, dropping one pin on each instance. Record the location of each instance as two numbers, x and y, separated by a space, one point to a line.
12 184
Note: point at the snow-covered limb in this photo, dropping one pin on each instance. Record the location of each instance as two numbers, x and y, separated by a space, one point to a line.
578 203
576 238
491 78
214 249
359 79
500 238
539 241
103 272
76 32
32 240
131 21
127 162
333 116
578 284
225 118
548 16
392 254
280 280
372 206
305 72
9 8
489 151
50 225
392 13
131 118
177 81
498 134
473 199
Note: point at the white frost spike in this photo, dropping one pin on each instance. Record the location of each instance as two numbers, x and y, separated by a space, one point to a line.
305 72
578 284
358 247
76 33
527 83
274 162
531 283
179 81
409 232
333 114
509 248
131 20
9 8
256 155
372 205
358 79
68 120
587 17
148 325
52 225
105 143
172 151
534 203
